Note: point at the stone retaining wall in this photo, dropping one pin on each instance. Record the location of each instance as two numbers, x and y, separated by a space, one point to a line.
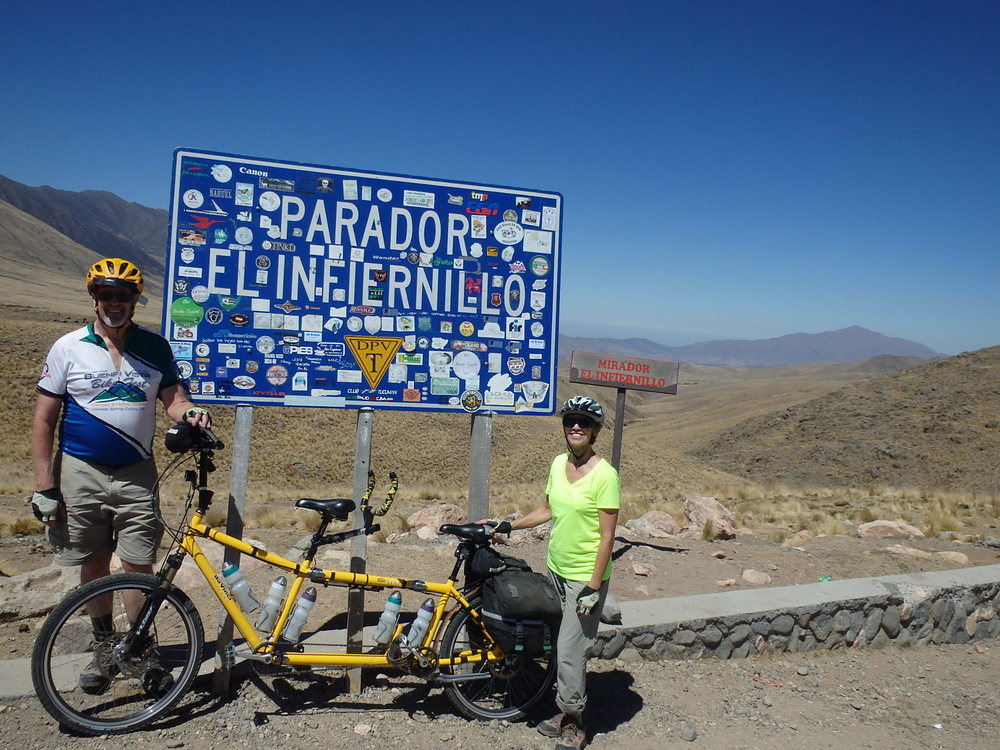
905 614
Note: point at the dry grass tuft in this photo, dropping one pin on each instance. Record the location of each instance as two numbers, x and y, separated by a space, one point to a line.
21 525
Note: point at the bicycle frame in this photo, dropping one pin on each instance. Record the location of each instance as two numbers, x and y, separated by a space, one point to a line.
269 648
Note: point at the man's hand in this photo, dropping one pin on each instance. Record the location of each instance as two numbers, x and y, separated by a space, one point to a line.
198 416
47 505
586 600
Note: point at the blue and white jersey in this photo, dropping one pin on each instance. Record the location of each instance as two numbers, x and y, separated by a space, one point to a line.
109 415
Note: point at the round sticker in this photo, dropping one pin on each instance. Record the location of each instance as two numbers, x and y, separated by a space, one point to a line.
472 401
269 200
354 323
244 381
252 366
203 350
540 265
213 315
537 329
466 328
222 172
262 261
384 195
466 365
507 253
244 235
185 312
277 374
184 369
508 232
200 294
265 345
187 254
510 215
193 198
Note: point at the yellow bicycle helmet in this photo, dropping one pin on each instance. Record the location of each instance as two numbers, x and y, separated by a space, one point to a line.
114 272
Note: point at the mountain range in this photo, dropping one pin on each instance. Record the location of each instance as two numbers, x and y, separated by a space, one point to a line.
49 236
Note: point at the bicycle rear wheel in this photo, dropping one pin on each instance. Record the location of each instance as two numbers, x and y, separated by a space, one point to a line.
502 689
119 693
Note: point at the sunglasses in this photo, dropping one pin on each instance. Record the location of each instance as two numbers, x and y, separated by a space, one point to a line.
113 297
585 422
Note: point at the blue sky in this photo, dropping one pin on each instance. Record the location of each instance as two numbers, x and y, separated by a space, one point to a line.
730 169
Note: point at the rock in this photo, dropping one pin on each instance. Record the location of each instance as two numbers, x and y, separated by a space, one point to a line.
654 524
640 569
898 549
688 734
707 516
756 577
726 582
435 516
612 612
35 592
719 555
880 529
953 556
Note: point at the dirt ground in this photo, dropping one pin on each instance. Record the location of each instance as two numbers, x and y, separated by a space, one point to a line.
932 696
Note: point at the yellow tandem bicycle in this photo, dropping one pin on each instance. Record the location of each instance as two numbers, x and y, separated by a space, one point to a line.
155 650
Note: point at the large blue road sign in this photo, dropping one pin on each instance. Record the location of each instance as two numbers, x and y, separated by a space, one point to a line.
304 285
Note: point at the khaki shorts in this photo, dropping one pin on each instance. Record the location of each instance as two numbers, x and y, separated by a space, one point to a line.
108 509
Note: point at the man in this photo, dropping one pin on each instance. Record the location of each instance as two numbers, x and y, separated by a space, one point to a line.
100 385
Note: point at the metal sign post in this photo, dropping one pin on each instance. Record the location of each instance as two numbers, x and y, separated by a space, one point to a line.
626 373
359 545
234 527
480 461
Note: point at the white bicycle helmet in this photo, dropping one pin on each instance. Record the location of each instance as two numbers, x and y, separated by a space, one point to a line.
583 405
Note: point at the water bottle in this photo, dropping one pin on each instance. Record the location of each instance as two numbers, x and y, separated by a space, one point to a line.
305 603
239 587
272 606
387 622
415 635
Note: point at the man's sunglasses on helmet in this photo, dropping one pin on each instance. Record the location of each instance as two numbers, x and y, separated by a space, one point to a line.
578 419
114 296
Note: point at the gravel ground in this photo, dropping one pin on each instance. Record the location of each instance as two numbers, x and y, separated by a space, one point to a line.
927 697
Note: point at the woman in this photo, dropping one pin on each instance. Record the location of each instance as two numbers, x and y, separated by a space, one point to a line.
582 497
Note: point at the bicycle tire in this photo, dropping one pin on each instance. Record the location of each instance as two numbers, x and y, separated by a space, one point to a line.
513 686
130 693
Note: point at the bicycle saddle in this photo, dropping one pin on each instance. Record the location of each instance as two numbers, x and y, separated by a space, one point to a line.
475 531
337 508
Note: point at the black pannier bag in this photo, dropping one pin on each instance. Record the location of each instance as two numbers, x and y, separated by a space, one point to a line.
521 609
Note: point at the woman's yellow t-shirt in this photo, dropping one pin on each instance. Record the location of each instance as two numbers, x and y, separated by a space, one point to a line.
576 527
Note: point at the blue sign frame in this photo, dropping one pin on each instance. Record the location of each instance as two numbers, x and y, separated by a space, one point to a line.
304 285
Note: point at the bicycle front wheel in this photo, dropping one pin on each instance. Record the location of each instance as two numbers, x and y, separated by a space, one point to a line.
491 690
85 678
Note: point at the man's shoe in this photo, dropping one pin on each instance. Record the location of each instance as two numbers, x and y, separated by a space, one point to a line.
573 736
95 682
552 727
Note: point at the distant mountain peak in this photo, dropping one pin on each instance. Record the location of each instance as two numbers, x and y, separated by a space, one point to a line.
851 344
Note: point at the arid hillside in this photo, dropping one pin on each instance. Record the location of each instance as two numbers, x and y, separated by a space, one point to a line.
728 429
935 426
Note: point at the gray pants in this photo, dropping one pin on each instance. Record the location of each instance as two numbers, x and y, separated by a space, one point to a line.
577 634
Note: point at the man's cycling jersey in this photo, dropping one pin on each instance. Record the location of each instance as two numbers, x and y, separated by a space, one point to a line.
109 415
